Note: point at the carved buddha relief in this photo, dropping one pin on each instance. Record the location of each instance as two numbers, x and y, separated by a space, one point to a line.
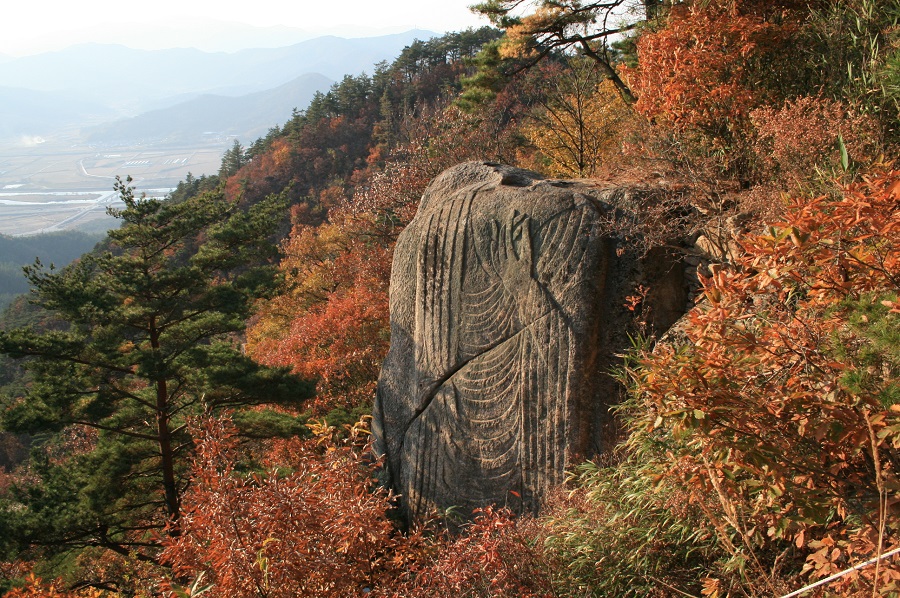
493 314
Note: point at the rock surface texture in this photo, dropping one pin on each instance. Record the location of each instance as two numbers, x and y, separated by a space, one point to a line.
501 329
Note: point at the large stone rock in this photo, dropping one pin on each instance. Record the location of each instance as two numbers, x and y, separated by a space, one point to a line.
506 295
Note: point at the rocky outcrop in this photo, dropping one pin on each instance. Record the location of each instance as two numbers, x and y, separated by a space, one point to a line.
507 311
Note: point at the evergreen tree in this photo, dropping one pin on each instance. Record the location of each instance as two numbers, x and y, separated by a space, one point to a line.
553 26
148 334
232 160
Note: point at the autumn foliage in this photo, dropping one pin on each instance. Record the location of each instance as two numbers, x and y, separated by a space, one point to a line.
330 321
311 525
331 324
785 406
700 77
496 555
36 588
578 123
805 135
762 453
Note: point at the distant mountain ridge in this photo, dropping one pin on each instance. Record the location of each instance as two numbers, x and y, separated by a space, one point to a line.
247 117
139 79
47 92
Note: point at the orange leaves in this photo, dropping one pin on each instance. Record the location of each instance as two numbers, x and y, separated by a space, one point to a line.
790 365
36 588
692 72
701 75
840 248
332 325
330 322
794 140
893 191
262 174
316 530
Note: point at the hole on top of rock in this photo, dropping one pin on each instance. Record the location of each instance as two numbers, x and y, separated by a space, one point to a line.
516 179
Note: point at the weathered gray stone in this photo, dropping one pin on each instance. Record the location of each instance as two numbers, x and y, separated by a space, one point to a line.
501 328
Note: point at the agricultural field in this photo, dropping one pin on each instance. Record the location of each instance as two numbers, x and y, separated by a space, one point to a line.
46 189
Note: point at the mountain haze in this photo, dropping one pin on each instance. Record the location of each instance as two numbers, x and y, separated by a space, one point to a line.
209 35
133 81
246 117
183 91
27 111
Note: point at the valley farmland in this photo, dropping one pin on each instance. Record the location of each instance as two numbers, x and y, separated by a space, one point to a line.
46 189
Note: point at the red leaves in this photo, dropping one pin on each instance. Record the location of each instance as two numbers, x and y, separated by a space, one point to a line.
789 368
315 527
693 72
494 557
340 342
332 323
701 75
315 530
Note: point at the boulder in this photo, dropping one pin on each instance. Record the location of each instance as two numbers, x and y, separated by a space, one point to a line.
507 312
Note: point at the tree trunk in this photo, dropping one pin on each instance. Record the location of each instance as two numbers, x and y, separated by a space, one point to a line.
164 434
609 72
173 505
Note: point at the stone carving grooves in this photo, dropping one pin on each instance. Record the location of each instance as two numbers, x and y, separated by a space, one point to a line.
486 391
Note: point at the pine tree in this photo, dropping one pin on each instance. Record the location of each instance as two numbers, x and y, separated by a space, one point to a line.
148 334
232 160
553 26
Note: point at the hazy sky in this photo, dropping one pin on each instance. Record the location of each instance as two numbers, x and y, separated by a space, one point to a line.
30 26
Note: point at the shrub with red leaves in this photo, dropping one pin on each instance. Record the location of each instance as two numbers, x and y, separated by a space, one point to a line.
316 528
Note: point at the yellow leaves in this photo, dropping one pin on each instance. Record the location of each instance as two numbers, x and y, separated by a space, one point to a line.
580 124
519 41
516 43
322 431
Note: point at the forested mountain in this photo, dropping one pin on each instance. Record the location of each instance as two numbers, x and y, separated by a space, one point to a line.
56 248
759 444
